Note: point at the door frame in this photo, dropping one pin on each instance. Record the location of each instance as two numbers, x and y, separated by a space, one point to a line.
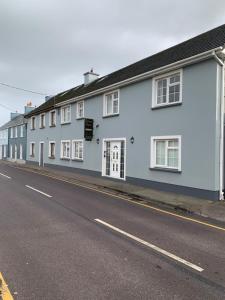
104 140
40 153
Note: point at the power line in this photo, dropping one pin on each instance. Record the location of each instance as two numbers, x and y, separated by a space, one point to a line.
7 107
24 90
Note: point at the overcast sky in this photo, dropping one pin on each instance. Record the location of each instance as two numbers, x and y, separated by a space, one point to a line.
47 45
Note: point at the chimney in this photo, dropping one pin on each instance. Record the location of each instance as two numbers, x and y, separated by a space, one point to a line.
28 108
14 115
90 76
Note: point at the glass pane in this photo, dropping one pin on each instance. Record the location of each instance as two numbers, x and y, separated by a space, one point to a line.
160 84
171 98
160 153
173 158
115 106
115 95
175 78
177 97
109 106
173 143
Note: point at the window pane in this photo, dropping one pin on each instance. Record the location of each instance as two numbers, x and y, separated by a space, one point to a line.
161 91
160 153
115 106
115 95
173 158
109 105
175 78
173 143
174 94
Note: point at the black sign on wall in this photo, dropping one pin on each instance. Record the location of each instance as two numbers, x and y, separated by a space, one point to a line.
88 129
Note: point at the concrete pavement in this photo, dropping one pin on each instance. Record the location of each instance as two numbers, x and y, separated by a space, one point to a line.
53 248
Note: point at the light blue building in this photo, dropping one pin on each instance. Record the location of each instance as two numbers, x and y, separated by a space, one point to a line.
13 137
3 142
157 123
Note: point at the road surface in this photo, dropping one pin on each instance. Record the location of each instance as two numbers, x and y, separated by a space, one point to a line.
60 241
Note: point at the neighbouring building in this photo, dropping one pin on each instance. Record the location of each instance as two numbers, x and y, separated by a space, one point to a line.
158 122
3 142
14 133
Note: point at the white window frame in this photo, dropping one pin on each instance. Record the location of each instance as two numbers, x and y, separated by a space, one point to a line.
105 114
40 118
32 153
33 123
4 151
155 90
50 118
73 149
49 149
16 132
11 152
153 152
22 130
78 116
21 151
61 150
63 108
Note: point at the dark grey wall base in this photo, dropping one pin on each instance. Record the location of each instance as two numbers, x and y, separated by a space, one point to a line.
178 189
165 187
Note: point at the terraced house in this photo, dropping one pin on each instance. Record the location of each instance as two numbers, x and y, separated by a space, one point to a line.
158 122
13 137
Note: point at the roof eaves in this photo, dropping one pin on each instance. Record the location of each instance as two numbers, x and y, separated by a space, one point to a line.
158 71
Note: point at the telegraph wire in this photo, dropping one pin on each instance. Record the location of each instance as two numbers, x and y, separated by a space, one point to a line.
21 89
7 107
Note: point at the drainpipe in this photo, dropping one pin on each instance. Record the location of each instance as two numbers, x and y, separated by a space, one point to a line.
220 60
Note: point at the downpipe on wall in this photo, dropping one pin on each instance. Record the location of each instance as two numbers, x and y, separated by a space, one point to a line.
220 57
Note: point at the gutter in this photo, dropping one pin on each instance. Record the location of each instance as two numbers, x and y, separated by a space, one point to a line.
146 75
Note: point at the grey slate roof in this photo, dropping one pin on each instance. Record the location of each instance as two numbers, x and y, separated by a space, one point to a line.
19 120
199 44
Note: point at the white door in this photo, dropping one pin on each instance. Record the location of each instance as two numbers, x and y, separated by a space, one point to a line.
21 151
115 149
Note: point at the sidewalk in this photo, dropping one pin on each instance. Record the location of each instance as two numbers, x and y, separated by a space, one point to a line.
214 210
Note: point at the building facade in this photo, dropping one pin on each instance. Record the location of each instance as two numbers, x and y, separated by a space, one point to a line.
156 123
17 139
13 137
3 142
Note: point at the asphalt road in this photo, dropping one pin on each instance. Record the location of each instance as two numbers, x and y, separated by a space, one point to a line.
75 243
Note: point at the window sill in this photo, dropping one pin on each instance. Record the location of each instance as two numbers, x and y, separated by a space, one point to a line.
65 123
64 158
80 118
32 129
42 127
165 170
32 156
109 116
166 105
77 159
52 126
51 157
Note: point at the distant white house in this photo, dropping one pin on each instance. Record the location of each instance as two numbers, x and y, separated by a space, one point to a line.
3 142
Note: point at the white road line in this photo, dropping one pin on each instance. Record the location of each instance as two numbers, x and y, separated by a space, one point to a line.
30 187
164 252
5 176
